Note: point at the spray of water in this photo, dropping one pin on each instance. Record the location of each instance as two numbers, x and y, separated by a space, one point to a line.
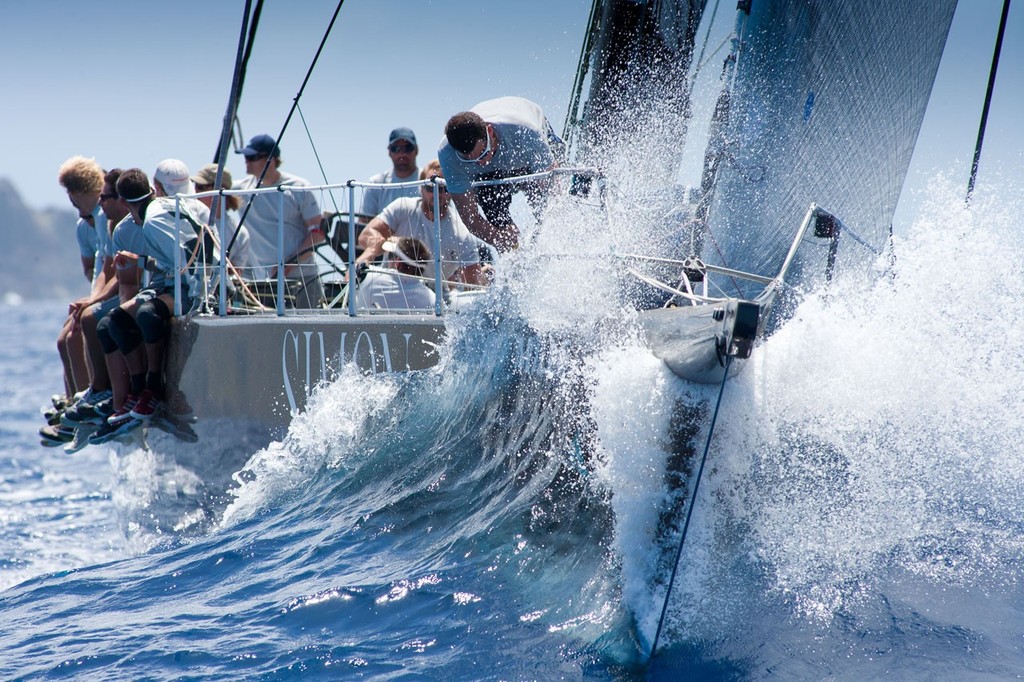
877 432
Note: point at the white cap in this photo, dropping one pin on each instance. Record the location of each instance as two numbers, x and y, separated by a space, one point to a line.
173 175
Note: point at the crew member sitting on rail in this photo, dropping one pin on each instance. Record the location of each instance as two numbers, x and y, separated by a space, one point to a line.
301 222
401 286
93 411
499 138
146 318
82 179
408 217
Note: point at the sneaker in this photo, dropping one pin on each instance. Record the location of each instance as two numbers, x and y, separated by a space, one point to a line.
109 432
124 413
89 412
81 439
146 407
176 427
52 436
52 412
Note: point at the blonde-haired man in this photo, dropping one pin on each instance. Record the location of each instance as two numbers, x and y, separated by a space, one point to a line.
82 179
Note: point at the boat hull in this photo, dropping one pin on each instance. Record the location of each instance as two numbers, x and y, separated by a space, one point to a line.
263 368
692 340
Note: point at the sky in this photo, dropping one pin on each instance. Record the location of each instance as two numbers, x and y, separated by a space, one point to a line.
132 83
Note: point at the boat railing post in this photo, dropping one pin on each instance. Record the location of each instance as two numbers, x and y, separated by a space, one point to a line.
177 256
439 298
280 251
222 308
352 283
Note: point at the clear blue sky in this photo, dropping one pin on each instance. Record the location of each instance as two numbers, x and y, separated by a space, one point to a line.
131 83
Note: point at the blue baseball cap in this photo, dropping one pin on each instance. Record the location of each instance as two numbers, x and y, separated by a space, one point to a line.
261 145
402 134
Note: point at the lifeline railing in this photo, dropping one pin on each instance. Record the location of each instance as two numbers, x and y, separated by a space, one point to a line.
352 185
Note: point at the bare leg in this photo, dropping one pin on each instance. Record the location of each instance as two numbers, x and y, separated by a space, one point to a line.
71 347
97 365
117 370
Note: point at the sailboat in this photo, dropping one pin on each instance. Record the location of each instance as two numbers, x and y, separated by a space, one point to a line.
819 106
818 111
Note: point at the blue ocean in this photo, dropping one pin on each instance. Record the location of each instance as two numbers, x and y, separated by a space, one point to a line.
513 513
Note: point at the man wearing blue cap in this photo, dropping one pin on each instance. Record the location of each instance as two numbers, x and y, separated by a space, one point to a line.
301 223
402 149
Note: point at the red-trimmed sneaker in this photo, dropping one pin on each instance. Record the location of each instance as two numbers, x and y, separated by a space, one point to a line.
123 413
147 406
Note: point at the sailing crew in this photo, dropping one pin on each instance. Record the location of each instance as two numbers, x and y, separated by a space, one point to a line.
401 285
82 179
144 320
402 149
414 217
92 410
498 138
302 217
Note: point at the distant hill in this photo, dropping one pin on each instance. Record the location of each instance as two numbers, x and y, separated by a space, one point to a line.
40 255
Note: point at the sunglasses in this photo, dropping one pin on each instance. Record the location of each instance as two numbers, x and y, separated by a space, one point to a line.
484 153
250 159
402 148
107 197
430 189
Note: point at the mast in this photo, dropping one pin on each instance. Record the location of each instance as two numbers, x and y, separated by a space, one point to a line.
988 101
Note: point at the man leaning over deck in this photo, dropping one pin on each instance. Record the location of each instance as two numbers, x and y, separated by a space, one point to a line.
301 222
498 138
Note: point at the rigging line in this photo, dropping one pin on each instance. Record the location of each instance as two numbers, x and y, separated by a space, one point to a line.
252 18
218 204
316 155
582 68
707 35
291 112
988 101
689 511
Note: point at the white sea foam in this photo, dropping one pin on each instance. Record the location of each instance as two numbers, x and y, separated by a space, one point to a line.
880 427
322 436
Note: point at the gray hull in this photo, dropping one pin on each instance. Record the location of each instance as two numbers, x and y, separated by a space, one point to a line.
263 369
693 341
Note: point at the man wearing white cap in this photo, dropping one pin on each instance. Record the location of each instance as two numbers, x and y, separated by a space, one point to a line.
138 328
402 149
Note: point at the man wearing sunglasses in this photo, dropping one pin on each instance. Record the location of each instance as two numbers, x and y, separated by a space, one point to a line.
402 149
302 216
498 138
409 217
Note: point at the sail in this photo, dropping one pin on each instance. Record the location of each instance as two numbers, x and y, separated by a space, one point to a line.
826 106
637 57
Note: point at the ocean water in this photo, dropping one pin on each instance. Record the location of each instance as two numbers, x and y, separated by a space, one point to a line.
512 514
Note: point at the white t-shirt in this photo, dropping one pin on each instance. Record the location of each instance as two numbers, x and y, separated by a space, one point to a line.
376 198
262 221
459 247
392 291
